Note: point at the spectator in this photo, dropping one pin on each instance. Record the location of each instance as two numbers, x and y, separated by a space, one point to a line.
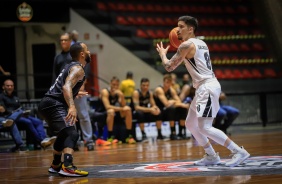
145 106
114 104
175 84
8 123
172 109
11 104
226 113
185 80
127 87
74 36
64 57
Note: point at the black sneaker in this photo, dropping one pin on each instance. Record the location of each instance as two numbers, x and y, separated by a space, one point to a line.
90 146
20 148
174 137
184 137
160 137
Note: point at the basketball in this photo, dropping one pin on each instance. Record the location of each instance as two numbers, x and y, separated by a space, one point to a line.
173 39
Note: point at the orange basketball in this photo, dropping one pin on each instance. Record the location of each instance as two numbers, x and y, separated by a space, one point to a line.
173 38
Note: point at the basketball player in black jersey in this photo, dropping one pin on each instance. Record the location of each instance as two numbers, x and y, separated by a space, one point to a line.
145 109
58 109
115 105
172 109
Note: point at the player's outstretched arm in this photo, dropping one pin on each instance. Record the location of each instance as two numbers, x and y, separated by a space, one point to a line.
178 57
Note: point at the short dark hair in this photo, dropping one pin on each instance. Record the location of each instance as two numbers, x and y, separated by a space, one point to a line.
191 21
129 74
144 80
115 78
75 50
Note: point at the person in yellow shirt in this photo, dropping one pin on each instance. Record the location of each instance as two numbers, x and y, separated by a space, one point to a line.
127 87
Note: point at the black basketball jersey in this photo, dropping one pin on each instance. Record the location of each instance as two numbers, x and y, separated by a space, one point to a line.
56 90
158 101
113 99
144 100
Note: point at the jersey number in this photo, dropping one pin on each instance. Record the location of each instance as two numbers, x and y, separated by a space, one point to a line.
208 60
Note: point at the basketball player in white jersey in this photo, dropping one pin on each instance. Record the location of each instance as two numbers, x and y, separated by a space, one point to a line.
205 105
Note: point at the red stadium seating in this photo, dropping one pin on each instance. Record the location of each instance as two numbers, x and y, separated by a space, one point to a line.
269 72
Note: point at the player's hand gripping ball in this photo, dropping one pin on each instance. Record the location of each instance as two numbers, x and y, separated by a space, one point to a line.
173 38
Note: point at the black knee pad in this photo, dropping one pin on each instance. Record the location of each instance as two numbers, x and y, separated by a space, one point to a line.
66 138
72 138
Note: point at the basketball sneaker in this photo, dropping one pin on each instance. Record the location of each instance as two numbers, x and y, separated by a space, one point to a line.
72 171
130 140
7 122
48 142
239 156
101 142
112 140
55 168
208 160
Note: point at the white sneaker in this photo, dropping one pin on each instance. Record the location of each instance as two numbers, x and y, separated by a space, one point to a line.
7 122
208 160
239 156
48 142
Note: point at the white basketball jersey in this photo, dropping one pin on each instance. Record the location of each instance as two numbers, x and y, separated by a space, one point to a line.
199 67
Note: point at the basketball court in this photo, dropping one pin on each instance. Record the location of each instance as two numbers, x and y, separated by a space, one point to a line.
153 162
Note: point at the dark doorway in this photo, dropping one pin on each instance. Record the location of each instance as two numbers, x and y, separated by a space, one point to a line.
43 58
8 60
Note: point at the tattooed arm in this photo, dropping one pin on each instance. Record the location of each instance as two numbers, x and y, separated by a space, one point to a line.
183 50
76 73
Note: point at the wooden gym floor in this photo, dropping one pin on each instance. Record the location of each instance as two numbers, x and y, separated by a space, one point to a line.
157 162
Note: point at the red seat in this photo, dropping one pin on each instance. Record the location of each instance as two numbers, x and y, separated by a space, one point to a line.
229 9
102 6
121 20
161 34
149 8
112 6
150 21
230 22
140 21
219 74
244 47
269 72
244 22
256 73
151 33
131 7
140 8
141 33
234 47
237 74
131 20
170 22
229 74
247 74
160 22
121 7
158 8
257 47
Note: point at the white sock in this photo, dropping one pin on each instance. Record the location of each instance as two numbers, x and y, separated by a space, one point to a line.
233 147
209 150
